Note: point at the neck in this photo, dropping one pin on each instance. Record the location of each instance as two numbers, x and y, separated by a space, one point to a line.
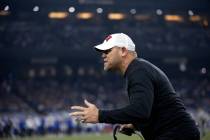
126 63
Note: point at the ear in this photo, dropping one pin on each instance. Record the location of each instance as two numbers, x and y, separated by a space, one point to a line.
124 51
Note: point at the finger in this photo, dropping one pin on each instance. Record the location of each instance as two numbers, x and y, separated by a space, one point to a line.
83 120
121 127
88 103
77 114
84 117
130 126
78 108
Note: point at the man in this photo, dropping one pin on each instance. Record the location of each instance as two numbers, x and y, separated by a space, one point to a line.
154 108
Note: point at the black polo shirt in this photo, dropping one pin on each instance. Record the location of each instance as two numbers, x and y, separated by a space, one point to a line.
154 107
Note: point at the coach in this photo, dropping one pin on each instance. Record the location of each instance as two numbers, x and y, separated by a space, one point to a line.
154 107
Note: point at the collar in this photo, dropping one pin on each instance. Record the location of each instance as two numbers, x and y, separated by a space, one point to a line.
130 67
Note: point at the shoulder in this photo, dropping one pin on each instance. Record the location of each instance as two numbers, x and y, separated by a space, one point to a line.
143 66
139 71
143 69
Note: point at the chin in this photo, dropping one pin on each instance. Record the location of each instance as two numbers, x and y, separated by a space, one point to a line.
109 69
106 69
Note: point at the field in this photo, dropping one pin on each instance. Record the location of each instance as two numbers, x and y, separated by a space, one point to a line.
78 137
86 137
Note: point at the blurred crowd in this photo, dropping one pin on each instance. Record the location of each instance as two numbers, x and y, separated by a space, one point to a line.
41 106
56 123
49 95
38 35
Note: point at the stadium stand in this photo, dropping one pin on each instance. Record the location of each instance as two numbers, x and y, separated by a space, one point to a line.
47 65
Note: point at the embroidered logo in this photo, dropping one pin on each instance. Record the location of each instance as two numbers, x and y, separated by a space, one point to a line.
108 37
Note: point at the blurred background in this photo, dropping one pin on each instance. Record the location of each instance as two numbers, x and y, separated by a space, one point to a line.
47 60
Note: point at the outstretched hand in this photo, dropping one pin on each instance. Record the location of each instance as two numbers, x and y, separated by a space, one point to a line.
88 114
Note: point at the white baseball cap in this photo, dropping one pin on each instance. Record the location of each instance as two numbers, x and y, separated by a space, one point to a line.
116 40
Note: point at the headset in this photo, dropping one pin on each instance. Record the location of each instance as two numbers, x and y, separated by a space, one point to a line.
126 131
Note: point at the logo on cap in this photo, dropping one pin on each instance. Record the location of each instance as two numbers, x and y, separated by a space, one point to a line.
108 37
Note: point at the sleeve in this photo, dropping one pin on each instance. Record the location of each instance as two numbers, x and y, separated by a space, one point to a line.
141 93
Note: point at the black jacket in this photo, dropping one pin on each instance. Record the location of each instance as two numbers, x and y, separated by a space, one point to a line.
154 109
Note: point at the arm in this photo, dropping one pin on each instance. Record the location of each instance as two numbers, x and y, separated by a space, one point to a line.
141 91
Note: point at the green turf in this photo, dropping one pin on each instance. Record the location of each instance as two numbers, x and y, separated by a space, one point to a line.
207 137
86 137
79 137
